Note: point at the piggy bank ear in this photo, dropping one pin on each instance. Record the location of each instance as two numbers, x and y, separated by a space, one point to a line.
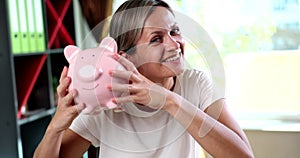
109 44
70 52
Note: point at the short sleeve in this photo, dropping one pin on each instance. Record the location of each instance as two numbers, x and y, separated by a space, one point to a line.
197 87
79 126
205 91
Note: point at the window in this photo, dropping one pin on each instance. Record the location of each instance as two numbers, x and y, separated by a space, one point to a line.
259 43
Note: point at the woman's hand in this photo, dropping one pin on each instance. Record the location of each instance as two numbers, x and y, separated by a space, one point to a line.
50 146
140 89
66 112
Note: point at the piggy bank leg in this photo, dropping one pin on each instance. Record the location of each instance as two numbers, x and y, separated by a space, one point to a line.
92 110
119 109
87 110
114 107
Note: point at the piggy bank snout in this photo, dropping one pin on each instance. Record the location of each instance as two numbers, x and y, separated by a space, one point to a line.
89 73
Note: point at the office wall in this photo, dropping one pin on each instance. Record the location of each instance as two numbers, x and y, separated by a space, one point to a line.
270 144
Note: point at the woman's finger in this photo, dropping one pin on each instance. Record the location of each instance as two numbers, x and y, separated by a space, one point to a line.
68 99
63 86
64 83
125 88
63 74
123 99
78 108
126 75
126 63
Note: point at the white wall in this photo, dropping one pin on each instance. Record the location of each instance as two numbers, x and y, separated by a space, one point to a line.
268 144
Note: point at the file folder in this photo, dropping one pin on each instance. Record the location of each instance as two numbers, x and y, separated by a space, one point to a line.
15 33
23 26
31 25
39 26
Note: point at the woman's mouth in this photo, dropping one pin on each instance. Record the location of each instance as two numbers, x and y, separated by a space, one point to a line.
173 58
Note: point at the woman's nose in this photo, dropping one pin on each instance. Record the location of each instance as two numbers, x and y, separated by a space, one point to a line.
172 43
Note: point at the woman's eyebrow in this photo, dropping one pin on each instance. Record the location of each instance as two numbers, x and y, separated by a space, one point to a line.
157 32
175 25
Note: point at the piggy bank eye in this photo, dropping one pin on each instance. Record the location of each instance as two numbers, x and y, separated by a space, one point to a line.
93 55
82 57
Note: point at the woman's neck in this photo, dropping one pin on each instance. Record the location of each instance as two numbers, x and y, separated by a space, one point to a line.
167 83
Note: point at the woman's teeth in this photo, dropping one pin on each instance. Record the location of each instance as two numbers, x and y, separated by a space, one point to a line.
173 58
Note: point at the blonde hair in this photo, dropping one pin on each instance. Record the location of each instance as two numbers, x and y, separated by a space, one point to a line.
127 23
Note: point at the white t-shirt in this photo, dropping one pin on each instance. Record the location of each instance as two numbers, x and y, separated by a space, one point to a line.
140 133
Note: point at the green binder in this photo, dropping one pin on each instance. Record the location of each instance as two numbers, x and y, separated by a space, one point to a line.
23 26
15 33
31 25
39 26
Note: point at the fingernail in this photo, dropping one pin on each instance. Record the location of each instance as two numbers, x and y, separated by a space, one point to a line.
74 93
114 100
109 87
65 69
116 56
110 72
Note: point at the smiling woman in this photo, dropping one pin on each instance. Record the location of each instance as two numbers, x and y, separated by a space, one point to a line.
169 111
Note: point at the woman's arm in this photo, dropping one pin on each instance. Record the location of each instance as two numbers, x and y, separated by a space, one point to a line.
57 135
215 129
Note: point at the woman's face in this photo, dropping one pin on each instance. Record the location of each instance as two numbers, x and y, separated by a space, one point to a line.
159 51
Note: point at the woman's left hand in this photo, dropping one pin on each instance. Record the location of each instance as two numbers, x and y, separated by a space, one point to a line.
139 89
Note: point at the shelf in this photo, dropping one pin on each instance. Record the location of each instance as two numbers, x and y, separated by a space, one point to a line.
39 114
28 54
29 78
55 51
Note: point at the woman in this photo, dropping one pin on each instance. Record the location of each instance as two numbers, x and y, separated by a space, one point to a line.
168 111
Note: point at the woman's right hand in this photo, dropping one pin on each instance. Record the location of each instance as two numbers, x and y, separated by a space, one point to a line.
66 111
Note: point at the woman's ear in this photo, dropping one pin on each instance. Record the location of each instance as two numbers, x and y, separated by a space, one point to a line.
123 54
131 58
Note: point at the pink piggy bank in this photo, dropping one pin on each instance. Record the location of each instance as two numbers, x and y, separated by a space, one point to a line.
89 72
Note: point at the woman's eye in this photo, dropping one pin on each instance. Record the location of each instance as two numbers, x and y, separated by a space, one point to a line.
155 39
175 31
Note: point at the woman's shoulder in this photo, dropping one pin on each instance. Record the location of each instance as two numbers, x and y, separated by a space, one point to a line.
193 79
193 75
